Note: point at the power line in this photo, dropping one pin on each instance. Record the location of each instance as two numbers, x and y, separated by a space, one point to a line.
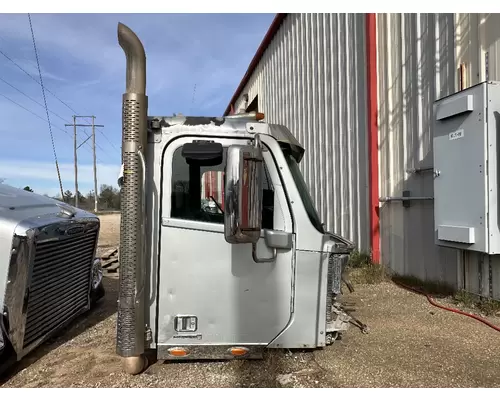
32 77
103 134
84 142
89 136
40 117
23 58
75 148
105 137
27 109
54 95
41 105
20 91
32 99
46 108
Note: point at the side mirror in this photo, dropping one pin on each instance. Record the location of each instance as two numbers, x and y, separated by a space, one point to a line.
243 193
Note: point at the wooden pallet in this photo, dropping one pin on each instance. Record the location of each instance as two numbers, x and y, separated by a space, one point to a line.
108 254
110 262
111 265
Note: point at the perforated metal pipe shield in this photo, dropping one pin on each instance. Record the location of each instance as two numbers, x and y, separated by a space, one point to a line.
130 324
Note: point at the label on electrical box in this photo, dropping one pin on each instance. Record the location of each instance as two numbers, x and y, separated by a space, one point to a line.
456 135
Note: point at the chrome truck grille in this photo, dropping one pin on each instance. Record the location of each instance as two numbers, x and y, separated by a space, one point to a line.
59 284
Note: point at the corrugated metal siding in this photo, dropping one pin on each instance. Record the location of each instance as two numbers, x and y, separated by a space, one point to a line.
419 56
482 275
416 65
478 47
312 79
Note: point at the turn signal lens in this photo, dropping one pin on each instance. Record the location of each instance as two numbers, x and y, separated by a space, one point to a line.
238 351
178 352
259 116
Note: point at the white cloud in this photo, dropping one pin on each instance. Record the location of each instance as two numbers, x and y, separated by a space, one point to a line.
31 68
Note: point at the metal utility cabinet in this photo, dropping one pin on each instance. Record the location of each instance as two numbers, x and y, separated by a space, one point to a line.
466 129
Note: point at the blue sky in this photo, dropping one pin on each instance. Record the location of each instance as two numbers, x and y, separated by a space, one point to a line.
83 65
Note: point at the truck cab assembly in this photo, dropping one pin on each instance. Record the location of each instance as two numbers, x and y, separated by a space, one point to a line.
226 277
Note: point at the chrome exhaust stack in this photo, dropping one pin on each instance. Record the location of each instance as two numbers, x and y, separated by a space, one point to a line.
130 322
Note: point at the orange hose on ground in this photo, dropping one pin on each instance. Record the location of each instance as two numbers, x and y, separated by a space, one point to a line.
454 310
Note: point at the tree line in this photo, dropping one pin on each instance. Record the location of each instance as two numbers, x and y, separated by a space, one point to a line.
108 198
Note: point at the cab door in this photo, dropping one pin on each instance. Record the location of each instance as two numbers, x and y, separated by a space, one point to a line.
212 292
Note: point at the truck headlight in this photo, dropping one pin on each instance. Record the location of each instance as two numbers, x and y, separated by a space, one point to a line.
96 273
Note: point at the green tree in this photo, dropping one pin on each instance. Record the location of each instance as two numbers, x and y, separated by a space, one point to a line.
89 199
81 198
28 189
68 197
109 197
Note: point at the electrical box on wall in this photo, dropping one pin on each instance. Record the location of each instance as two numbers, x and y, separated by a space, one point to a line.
466 150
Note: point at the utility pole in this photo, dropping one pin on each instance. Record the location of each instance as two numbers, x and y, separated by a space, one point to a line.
95 164
93 125
76 161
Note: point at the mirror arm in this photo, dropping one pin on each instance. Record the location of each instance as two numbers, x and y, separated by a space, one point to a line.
262 260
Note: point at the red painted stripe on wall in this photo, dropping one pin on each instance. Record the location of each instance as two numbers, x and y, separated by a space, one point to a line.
371 62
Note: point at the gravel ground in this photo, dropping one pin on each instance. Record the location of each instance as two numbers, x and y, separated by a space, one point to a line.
410 344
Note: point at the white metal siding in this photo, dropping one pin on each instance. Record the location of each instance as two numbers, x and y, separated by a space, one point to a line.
312 79
419 56
478 47
416 65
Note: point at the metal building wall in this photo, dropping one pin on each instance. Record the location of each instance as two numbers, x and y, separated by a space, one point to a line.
478 50
416 65
312 79
419 59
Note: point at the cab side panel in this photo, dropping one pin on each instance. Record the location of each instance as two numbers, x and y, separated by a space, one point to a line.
306 329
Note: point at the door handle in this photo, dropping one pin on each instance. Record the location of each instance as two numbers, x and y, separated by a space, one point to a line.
262 260
274 240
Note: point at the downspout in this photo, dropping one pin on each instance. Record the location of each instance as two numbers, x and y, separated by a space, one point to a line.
130 322
371 62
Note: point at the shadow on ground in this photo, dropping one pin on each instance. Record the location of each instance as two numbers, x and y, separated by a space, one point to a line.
103 309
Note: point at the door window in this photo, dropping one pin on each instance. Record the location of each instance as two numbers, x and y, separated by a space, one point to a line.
198 192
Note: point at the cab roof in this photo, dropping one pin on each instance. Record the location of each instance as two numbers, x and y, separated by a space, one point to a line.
235 122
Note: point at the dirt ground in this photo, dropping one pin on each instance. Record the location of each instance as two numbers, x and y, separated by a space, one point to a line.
410 344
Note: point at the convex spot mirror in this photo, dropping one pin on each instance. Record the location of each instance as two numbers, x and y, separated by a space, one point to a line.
243 193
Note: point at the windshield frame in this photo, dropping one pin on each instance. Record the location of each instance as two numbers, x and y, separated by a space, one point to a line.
303 190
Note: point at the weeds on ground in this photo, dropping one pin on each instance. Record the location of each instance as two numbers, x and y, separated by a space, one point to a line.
469 300
460 298
363 270
433 288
